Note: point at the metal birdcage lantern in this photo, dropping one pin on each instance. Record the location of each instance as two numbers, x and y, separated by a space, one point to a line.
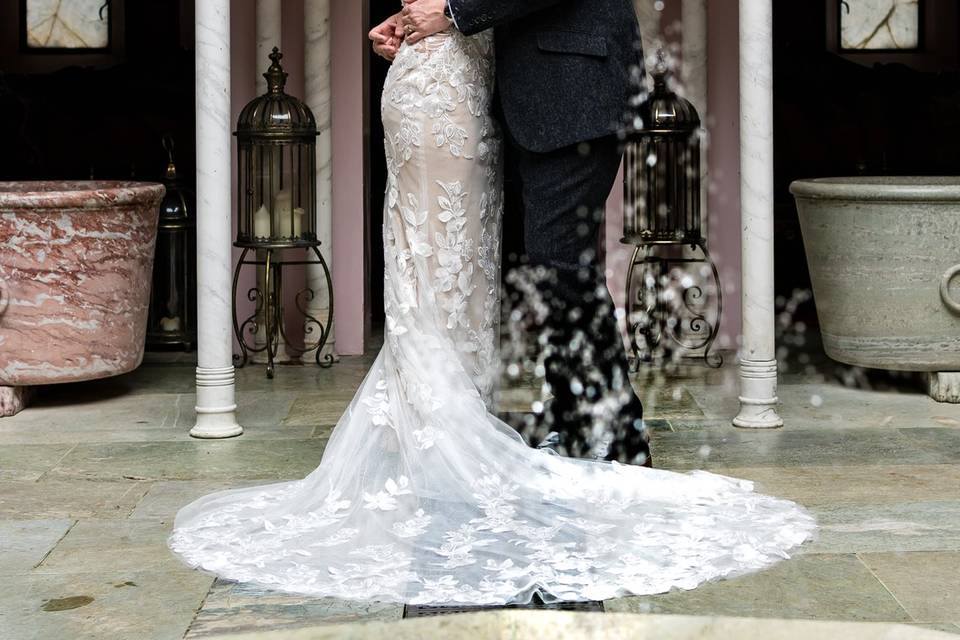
662 219
277 212
173 298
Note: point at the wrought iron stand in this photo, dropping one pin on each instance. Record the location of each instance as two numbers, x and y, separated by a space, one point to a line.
656 321
268 305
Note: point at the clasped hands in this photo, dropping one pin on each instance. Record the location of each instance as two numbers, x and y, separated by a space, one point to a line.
417 20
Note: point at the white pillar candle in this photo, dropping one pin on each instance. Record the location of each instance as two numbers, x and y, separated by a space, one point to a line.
758 363
298 214
216 395
170 325
261 223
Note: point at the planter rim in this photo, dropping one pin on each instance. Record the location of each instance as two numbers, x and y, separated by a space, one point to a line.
77 194
880 188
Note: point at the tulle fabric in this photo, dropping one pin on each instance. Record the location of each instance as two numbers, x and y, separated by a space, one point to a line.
423 496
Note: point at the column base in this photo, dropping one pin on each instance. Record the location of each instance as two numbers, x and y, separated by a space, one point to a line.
758 396
944 386
214 428
216 404
13 400
761 415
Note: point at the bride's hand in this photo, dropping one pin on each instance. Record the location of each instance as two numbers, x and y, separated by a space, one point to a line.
387 37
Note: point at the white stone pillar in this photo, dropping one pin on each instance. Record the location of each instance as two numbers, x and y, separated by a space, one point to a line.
649 17
758 363
269 31
316 24
693 16
269 35
216 399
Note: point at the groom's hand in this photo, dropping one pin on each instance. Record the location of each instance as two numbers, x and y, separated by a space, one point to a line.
422 18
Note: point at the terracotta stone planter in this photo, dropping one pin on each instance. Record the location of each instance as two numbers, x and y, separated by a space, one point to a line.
75 267
884 257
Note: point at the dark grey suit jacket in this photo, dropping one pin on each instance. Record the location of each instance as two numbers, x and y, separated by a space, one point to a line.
566 69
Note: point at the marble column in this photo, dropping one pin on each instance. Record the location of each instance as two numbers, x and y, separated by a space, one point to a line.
269 33
316 23
649 16
216 398
758 363
694 74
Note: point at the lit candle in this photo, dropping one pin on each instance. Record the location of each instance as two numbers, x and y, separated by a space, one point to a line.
170 325
261 223
298 221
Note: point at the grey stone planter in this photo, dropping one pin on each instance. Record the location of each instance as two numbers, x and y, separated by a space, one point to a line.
884 257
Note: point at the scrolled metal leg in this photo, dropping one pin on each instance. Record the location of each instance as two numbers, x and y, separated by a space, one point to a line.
717 362
634 364
328 360
694 299
657 312
271 314
239 360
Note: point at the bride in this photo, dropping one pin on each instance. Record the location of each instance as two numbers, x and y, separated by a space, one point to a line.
423 496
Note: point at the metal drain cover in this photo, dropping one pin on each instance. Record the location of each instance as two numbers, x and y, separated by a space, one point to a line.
419 611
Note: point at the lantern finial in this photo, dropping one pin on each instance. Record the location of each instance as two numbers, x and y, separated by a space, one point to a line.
276 77
660 72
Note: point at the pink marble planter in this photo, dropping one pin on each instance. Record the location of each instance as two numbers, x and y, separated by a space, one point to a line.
75 266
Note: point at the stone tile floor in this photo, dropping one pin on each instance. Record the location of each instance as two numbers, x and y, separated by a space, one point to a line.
92 475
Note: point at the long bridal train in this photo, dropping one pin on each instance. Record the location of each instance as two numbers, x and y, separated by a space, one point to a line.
423 496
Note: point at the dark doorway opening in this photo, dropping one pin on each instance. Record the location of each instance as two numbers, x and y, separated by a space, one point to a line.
379 11
70 116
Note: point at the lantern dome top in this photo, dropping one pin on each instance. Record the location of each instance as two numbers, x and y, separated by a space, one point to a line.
276 114
665 112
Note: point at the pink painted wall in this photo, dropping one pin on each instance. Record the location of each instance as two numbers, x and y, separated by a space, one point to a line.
348 56
243 37
723 157
292 43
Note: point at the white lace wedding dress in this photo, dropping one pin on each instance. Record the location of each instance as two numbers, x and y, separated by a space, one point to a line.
423 496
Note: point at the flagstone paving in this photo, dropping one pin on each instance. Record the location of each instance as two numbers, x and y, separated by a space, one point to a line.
92 475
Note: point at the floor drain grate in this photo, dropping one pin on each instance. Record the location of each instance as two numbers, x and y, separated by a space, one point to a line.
419 611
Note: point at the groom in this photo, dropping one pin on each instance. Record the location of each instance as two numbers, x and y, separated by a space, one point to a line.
566 72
